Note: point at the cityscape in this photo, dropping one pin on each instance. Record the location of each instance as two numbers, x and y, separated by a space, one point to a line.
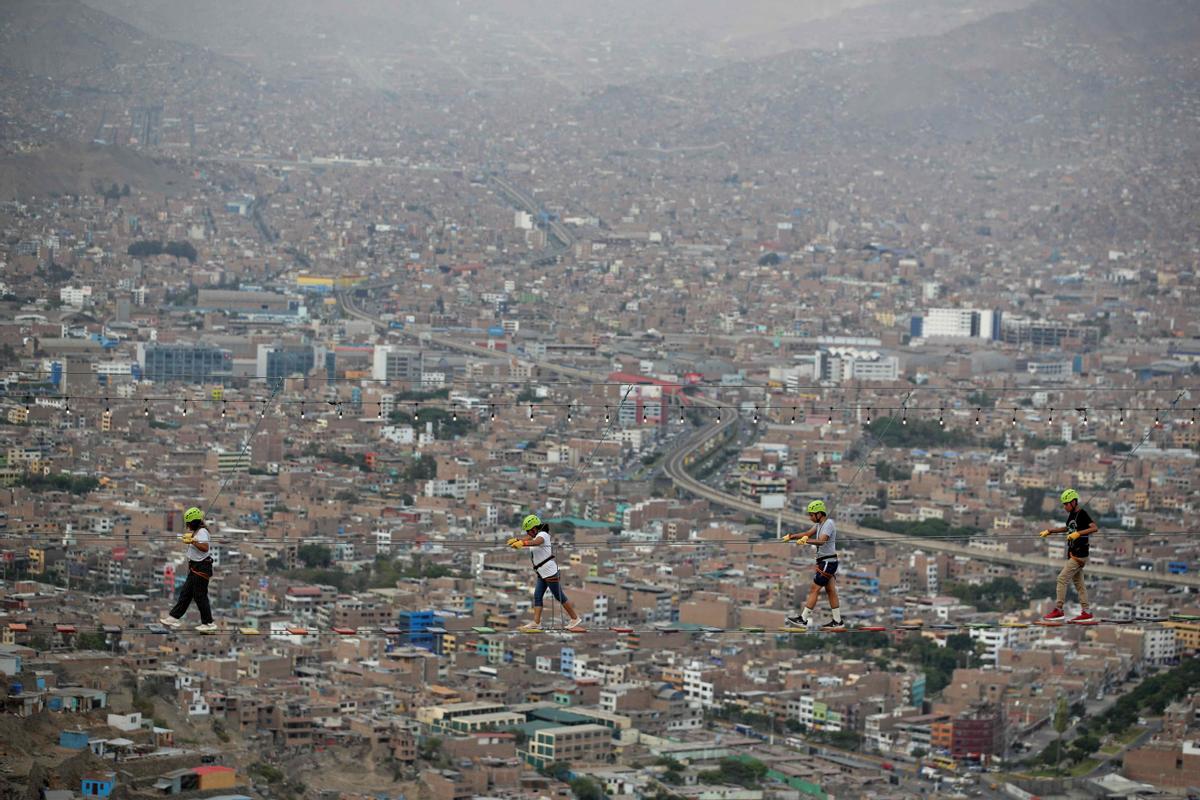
780 399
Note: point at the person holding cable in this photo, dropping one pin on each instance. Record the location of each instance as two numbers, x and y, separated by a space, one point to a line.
200 570
1079 527
536 537
823 536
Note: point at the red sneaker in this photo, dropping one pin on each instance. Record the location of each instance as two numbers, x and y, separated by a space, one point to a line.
1055 614
1083 617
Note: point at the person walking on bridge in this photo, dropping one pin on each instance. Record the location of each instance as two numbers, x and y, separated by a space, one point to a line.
536 537
1079 527
823 536
200 570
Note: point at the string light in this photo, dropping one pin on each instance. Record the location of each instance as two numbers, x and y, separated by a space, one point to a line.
831 415
1085 417
942 417
381 409
1121 421
606 415
262 412
339 410
454 413
1014 419
107 410
145 408
224 407
1050 417
302 409
1156 417
28 402
531 412
681 415
417 412
67 404
756 415
493 408
978 411
904 417
1193 422
794 416
184 407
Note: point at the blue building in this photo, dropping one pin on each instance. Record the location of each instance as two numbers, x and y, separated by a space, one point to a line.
99 785
415 628
566 662
185 363
73 740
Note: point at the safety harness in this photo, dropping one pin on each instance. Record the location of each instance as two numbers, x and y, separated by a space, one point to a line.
820 562
539 564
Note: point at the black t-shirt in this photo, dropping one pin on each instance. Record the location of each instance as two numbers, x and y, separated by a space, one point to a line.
1078 520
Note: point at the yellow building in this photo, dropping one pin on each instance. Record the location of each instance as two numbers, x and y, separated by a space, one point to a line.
1187 636
328 283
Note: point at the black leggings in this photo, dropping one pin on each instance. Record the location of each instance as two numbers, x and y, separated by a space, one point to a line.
195 588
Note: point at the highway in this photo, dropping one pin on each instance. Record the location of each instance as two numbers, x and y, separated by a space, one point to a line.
526 203
675 468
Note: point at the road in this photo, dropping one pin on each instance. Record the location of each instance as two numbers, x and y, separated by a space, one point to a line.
675 468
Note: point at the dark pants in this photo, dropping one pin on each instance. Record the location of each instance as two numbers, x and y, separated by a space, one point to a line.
195 588
551 583
825 571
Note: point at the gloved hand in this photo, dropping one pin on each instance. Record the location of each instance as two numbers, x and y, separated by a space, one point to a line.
515 542
803 539
1072 536
188 538
1044 534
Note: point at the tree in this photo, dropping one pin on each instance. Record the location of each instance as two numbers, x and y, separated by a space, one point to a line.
586 788
1061 718
314 555
1031 502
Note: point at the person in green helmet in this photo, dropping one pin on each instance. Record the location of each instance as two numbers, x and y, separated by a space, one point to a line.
536 538
200 570
1079 527
823 536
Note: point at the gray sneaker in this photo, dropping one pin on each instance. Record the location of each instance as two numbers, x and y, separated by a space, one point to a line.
205 627
170 622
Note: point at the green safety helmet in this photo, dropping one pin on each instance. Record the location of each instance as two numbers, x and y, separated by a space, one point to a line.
193 514
1068 495
530 522
816 507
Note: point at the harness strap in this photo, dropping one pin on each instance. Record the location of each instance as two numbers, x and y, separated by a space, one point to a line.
199 574
822 572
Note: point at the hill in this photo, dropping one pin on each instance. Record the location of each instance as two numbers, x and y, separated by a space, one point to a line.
63 169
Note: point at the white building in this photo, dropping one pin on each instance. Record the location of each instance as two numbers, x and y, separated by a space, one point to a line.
696 688
1159 645
392 362
75 296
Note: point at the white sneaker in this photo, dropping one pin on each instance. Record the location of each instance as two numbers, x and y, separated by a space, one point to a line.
574 624
205 627
169 621
530 626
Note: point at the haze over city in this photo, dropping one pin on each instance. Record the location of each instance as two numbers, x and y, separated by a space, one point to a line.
676 399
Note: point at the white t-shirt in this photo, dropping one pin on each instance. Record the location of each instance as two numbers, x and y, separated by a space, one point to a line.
194 554
540 552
